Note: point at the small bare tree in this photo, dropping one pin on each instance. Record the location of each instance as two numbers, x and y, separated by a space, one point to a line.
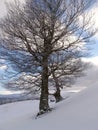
45 27
64 69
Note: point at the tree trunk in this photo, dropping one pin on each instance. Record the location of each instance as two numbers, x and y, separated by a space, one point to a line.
44 106
57 95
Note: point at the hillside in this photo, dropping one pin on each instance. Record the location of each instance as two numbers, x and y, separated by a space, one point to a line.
78 112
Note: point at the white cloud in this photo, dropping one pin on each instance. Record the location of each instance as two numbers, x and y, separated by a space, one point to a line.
94 10
3 7
3 67
5 92
93 60
91 74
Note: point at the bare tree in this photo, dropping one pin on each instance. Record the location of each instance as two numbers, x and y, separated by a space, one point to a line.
64 69
45 27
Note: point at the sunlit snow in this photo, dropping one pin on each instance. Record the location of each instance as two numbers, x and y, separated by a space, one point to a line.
77 112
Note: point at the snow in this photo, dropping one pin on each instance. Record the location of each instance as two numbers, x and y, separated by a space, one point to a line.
78 112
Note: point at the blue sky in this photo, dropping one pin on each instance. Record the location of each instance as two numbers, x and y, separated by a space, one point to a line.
94 51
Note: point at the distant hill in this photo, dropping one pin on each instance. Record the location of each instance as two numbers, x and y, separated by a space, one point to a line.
16 97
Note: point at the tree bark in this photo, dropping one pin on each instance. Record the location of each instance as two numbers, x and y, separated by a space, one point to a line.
57 95
44 106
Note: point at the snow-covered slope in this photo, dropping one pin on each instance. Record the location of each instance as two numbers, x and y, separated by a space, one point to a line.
79 112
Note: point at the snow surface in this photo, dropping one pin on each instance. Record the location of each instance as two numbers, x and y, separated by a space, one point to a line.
78 112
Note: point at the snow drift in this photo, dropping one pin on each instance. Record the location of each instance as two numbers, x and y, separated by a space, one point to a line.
78 112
